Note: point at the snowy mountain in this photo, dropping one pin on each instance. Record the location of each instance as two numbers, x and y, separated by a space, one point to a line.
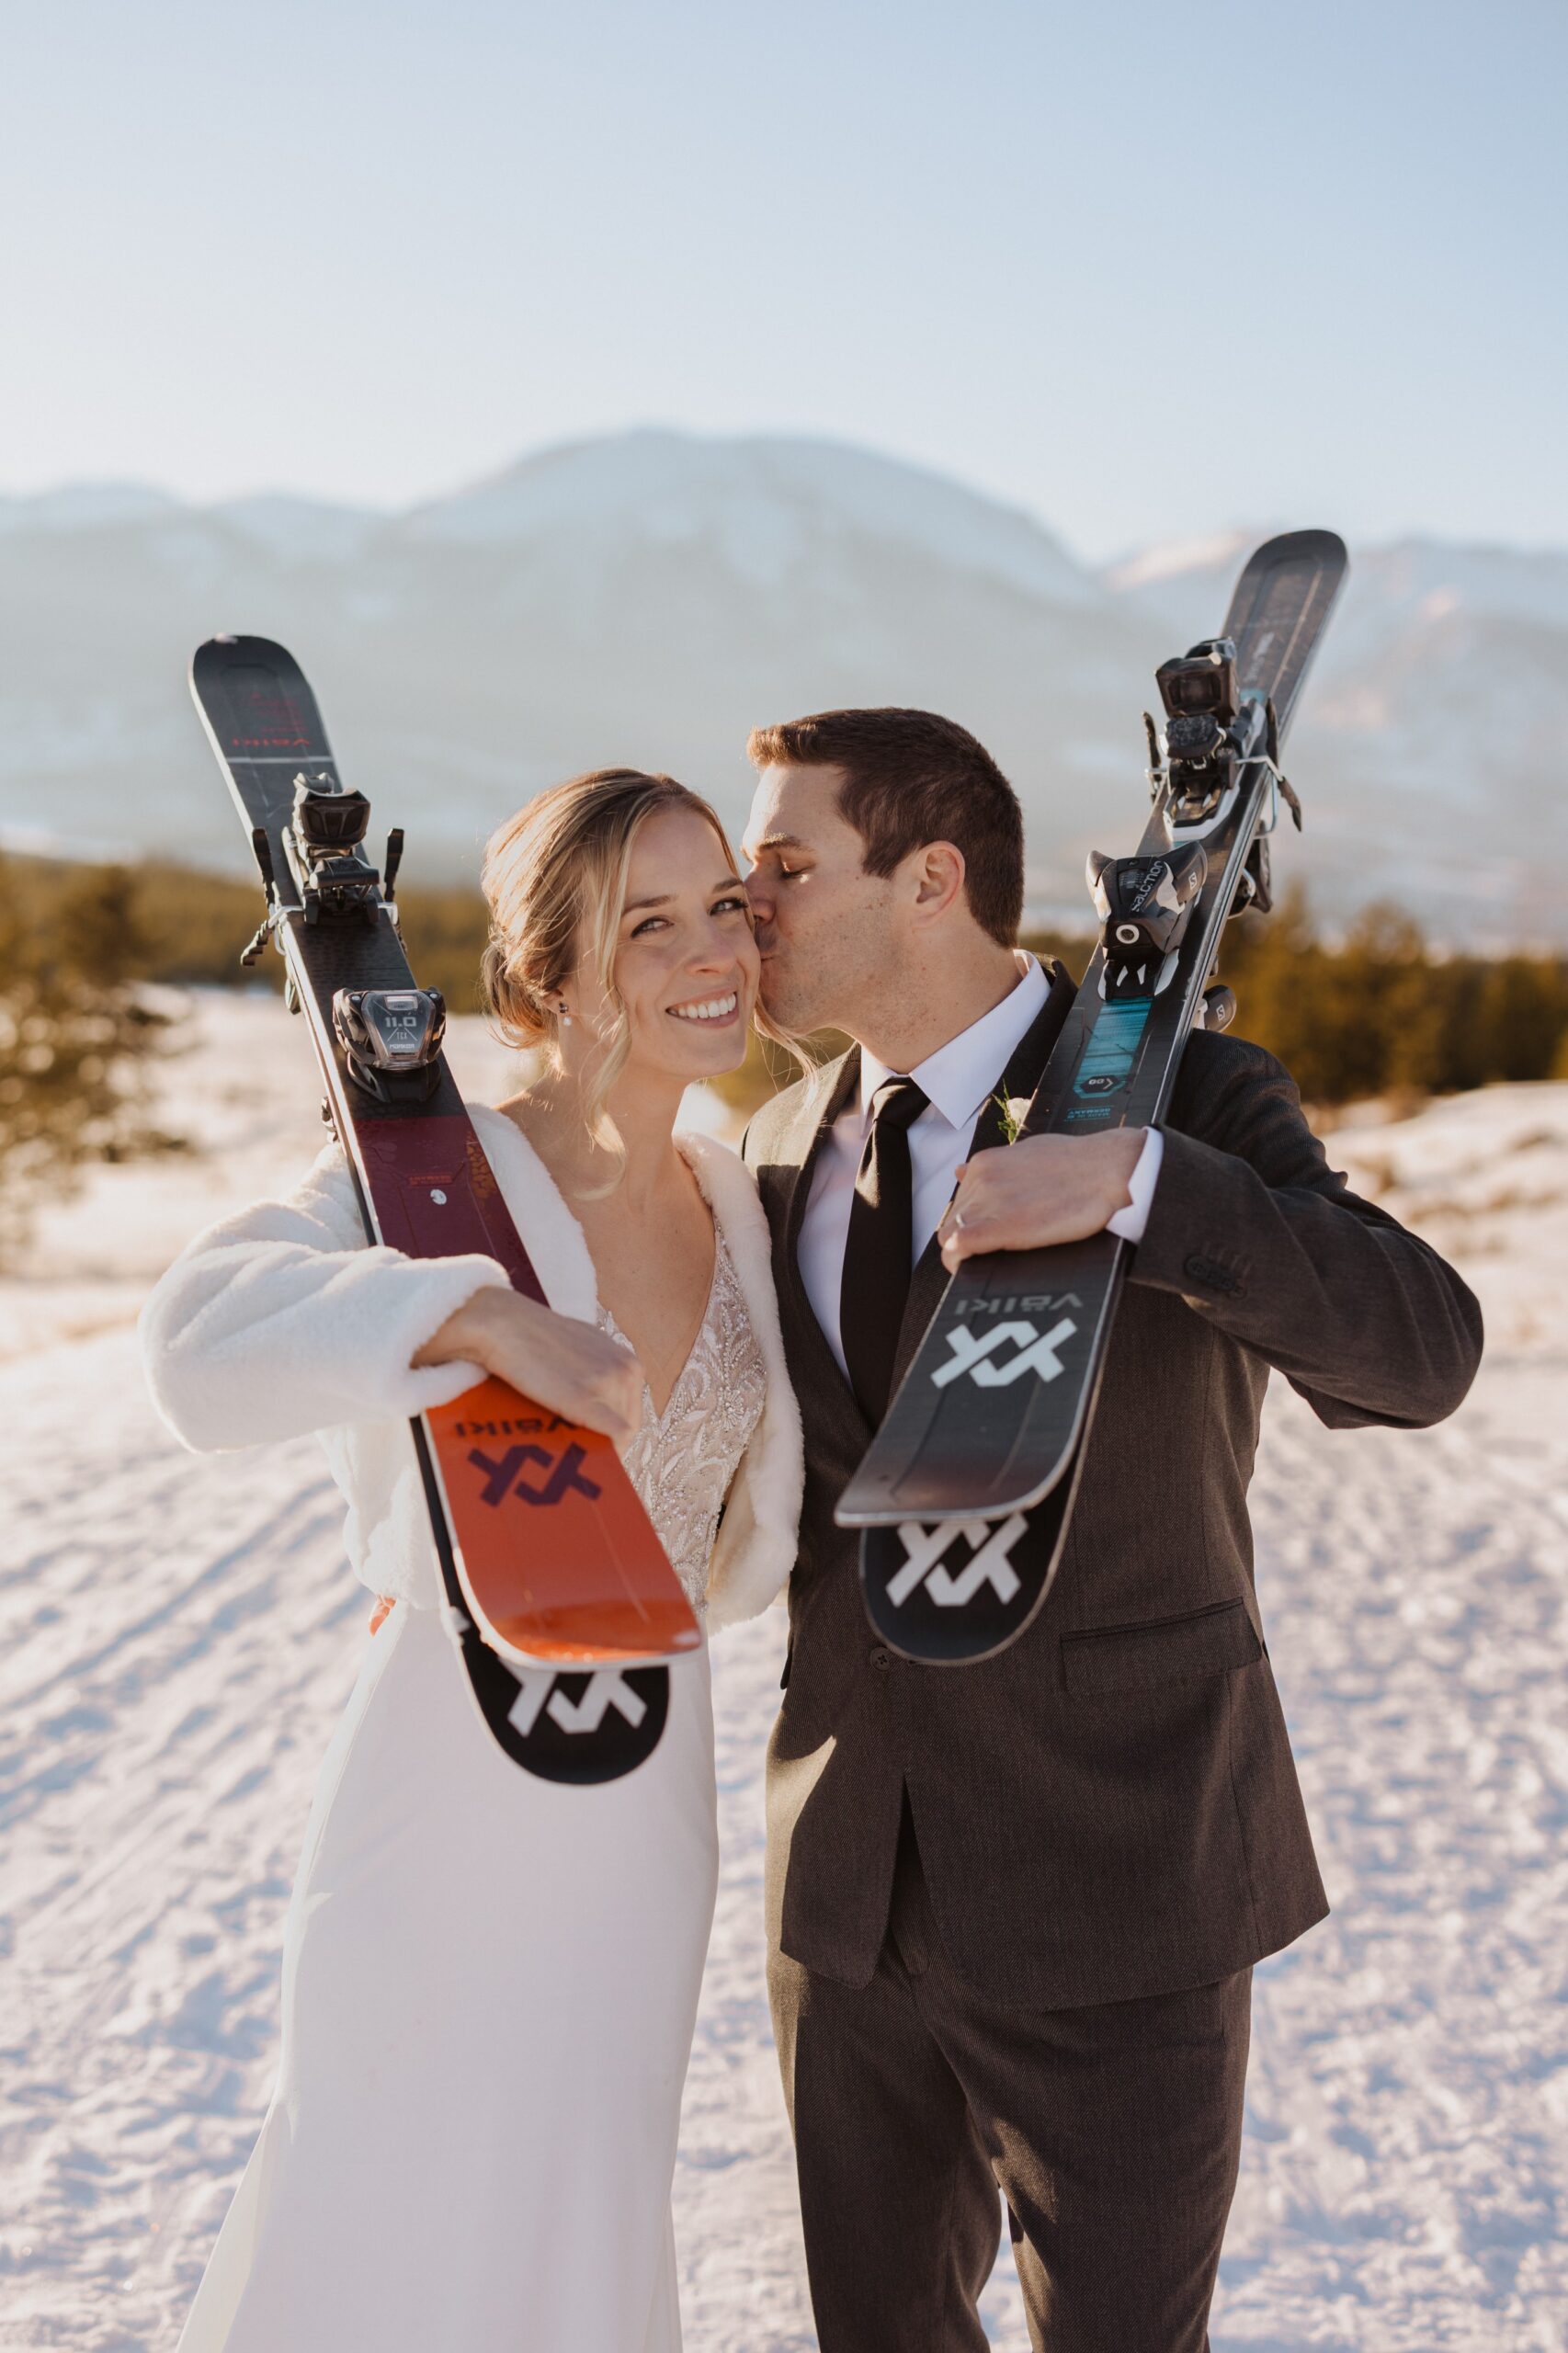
1432 728
85 506
647 598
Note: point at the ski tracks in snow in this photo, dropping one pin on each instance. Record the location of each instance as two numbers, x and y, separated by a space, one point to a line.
177 1634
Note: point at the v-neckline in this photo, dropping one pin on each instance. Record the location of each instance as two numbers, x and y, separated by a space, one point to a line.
661 1413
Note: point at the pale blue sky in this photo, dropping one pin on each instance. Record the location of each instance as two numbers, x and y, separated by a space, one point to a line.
1146 269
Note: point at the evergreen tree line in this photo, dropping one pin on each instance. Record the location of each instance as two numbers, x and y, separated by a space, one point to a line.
189 928
1376 1011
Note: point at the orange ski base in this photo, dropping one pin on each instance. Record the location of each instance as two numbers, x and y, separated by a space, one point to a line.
550 1537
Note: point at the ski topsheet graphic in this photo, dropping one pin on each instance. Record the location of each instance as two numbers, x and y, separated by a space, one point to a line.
967 1489
558 1590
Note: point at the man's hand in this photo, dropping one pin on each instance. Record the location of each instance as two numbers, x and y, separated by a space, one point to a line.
1041 1191
575 1369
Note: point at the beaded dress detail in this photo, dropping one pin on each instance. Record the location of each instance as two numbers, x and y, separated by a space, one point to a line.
682 1461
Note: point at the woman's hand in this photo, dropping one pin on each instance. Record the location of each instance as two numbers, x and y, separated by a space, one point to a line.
575 1369
1040 1191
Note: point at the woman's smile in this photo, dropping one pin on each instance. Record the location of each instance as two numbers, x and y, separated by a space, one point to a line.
720 1010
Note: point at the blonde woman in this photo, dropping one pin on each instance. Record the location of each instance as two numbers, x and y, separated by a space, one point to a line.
489 1981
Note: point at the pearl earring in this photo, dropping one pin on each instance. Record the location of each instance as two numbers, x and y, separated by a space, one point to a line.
565 1016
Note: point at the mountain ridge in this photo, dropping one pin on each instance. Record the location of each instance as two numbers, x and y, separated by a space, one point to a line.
648 596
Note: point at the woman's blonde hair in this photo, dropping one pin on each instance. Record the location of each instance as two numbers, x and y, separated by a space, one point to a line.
554 877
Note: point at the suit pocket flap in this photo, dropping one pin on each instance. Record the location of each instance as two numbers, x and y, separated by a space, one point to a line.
1168 1650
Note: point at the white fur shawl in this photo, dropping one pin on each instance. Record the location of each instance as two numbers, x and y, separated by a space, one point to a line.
282 1320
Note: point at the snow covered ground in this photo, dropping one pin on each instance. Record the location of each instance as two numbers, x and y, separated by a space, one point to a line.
177 1635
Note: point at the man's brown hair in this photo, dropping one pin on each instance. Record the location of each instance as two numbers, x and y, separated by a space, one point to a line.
913 777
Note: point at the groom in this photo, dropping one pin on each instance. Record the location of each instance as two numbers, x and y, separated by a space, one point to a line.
1014 1906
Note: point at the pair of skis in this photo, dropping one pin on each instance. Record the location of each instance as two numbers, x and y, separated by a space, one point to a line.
558 1594
967 1491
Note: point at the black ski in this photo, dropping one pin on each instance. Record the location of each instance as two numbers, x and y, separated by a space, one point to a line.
967 1489
558 1596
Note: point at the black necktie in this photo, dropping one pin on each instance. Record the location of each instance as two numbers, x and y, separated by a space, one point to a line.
880 1250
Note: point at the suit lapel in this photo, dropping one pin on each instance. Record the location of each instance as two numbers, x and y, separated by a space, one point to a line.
1021 1077
836 1084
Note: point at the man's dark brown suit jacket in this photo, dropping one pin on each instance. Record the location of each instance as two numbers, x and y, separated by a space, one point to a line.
1110 1809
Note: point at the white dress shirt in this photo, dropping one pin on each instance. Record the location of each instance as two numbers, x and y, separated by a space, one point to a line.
958 1079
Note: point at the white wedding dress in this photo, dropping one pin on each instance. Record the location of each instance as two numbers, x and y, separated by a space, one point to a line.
489 1982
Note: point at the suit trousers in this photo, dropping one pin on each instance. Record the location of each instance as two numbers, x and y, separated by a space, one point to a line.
1112 2132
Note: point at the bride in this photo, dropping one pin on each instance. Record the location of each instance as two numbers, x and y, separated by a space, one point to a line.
489 1981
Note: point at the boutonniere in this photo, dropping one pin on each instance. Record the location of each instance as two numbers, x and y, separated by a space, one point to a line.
1013 1110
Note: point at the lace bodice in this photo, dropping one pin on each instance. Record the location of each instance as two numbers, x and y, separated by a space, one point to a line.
682 1461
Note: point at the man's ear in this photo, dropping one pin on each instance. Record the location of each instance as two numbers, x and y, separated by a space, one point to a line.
937 873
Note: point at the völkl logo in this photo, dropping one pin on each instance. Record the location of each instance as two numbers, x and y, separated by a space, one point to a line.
501 1478
923 1548
539 1694
974 1352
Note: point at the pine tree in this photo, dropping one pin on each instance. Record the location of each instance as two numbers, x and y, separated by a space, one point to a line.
78 1039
